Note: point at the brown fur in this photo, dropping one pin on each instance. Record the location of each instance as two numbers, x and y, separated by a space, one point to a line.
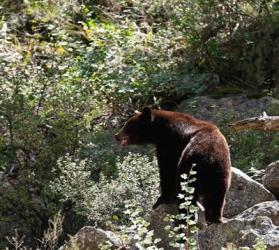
181 141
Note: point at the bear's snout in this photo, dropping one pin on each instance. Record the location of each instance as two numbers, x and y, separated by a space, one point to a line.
122 140
117 137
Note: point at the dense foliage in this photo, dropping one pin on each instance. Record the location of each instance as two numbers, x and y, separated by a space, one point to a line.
72 71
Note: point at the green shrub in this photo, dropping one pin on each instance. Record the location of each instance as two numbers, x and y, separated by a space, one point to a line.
253 149
103 201
136 232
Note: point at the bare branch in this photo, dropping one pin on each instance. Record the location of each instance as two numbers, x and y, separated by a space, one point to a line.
263 122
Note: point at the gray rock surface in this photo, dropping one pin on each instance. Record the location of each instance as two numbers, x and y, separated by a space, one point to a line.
258 223
157 223
91 238
271 178
244 193
231 108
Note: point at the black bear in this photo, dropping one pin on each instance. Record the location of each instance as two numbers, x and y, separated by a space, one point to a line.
181 141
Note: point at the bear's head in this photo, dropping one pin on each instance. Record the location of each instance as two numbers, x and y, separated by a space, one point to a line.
137 130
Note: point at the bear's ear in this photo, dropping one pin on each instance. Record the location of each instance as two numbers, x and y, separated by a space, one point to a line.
147 114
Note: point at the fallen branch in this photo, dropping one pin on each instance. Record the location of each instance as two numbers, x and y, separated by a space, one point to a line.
263 122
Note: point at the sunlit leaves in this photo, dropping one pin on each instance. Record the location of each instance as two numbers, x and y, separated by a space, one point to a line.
100 201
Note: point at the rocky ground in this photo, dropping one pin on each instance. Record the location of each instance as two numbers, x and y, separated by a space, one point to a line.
251 210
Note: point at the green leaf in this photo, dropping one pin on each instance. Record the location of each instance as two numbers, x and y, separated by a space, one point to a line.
190 190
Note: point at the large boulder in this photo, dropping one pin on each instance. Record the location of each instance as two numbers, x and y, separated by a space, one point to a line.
244 193
91 238
271 178
259 223
230 108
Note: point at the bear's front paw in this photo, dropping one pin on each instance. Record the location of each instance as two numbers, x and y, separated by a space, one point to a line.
215 221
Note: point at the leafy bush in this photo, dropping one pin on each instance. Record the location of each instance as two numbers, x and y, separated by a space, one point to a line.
103 201
137 229
252 149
